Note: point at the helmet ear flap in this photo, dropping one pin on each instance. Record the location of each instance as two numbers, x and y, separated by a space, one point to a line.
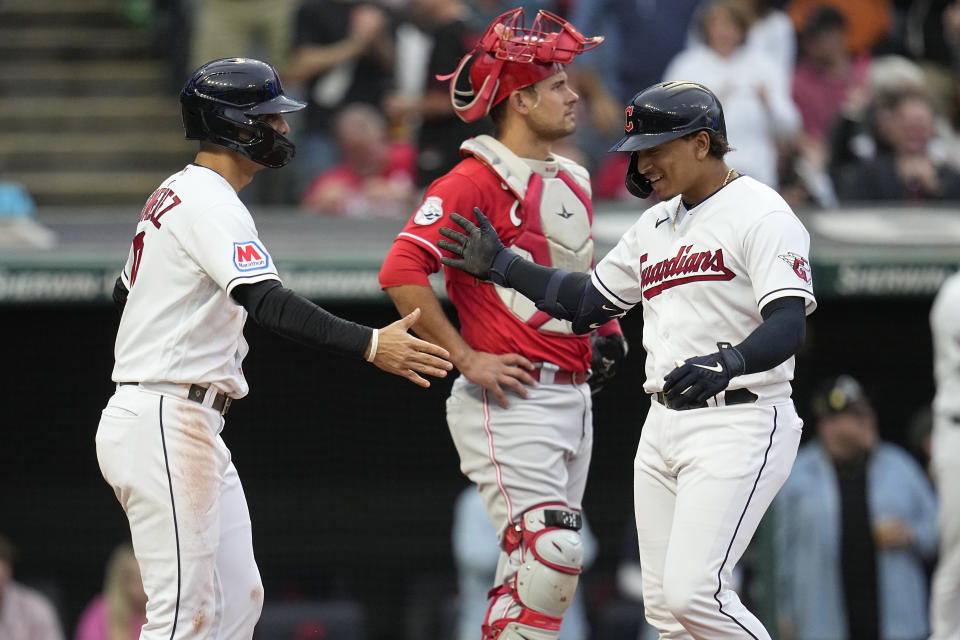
473 105
636 184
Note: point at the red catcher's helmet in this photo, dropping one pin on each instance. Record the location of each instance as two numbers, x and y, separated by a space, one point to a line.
509 57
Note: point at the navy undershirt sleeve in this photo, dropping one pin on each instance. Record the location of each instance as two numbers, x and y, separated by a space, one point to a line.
778 337
564 295
292 316
119 295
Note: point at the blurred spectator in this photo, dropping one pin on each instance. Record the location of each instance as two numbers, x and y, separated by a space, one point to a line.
951 31
440 130
906 169
476 553
932 38
753 90
825 75
945 458
858 133
119 611
642 37
18 227
772 33
856 520
609 76
343 54
15 200
241 28
25 614
868 22
375 177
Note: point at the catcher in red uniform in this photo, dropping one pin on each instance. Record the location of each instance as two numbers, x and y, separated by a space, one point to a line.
520 413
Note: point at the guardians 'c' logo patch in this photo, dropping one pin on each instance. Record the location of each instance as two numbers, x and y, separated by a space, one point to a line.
799 264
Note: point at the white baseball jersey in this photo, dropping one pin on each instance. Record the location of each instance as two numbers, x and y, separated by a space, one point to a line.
945 323
195 242
707 280
945 459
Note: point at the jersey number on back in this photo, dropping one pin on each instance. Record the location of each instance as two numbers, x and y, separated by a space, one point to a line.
152 211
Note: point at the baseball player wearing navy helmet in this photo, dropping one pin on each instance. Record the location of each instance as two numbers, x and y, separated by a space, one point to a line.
195 270
719 267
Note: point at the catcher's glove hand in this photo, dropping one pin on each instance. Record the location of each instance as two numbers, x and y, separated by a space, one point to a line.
702 377
481 252
608 352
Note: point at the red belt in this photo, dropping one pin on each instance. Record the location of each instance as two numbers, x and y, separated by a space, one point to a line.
562 377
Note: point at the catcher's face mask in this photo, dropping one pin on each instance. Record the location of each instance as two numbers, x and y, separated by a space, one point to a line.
510 56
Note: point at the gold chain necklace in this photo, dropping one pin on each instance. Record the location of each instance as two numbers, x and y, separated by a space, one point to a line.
676 214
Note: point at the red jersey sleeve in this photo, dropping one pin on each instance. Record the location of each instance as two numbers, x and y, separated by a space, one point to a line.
415 254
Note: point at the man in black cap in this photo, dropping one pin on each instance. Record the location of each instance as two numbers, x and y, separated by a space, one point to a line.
854 498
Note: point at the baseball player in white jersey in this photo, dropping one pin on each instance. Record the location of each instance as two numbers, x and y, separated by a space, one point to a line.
520 413
945 459
195 270
720 268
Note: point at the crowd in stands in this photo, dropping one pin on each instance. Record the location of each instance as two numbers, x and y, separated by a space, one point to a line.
829 101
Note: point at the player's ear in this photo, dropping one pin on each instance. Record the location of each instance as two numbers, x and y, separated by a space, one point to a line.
702 141
516 100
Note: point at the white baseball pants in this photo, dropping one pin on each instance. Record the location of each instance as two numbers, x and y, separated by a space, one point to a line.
188 515
535 452
945 589
703 479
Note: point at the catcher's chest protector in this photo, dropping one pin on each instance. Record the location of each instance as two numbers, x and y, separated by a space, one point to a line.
554 214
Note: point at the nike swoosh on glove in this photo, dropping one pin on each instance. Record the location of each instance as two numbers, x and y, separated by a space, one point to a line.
703 377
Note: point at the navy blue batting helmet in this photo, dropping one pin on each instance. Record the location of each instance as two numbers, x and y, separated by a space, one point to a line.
222 103
668 111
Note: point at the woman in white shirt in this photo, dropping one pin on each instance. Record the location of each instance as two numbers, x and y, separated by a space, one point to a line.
753 88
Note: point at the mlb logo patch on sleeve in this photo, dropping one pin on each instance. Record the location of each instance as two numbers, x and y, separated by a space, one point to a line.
248 256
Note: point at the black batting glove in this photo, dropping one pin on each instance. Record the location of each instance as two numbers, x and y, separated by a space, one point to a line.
481 252
703 377
608 352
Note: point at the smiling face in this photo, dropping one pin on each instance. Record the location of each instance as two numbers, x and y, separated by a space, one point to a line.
551 114
676 167
912 126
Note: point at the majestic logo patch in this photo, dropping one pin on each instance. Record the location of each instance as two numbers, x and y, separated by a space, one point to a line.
799 264
248 256
685 267
430 211
563 213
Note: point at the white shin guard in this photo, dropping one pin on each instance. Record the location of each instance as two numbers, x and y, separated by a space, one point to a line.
551 551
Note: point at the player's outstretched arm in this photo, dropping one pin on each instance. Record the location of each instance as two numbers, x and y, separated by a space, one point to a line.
282 311
563 295
496 373
396 351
